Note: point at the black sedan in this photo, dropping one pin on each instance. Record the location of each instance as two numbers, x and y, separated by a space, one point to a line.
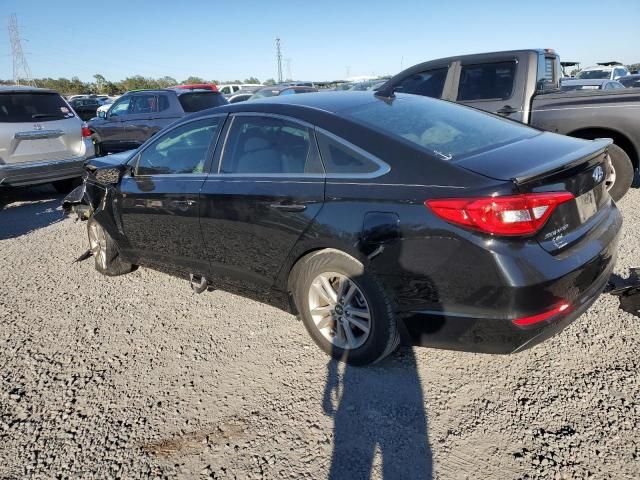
375 219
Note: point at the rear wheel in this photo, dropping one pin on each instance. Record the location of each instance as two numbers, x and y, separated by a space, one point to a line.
105 251
344 308
619 172
99 151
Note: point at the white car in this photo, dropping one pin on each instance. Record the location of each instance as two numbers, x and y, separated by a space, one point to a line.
231 88
106 105
42 140
603 71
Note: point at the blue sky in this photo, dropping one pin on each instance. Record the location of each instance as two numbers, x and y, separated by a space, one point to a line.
324 39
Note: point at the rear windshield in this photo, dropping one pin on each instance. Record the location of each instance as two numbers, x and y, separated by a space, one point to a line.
445 129
32 107
196 101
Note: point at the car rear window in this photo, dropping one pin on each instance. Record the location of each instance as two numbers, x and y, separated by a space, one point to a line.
444 129
196 101
18 107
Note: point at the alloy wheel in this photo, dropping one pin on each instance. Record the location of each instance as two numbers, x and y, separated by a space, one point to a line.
339 310
98 244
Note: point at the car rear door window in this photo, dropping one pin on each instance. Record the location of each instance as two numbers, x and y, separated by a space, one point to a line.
429 83
182 150
487 81
141 104
32 107
269 145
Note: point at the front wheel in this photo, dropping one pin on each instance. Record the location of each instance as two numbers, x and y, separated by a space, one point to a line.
105 251
344 308
619 172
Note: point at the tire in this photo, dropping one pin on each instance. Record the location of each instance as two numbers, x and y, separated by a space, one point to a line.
621 169
328 320
105 251
65 186
99 151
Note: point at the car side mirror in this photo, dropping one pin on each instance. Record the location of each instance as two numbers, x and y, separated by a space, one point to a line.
102 114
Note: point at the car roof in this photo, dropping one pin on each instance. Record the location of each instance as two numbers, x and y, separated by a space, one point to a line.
177 91
603 68
24 88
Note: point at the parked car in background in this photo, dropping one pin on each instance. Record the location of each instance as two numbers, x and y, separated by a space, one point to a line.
368 85
197 86
106 105
371 218
41 139
136 116
231 88
630 81
524 85
277 90
569 85
85 107
603 71
243 94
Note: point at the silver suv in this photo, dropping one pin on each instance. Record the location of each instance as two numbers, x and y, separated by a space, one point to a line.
41 139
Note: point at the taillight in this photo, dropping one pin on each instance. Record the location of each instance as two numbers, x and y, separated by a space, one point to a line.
510 215
86 133
540 317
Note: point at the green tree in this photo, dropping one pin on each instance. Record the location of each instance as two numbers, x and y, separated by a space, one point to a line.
193 79
251 80
269 81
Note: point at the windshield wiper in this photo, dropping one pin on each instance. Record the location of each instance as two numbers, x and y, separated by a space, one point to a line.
46 115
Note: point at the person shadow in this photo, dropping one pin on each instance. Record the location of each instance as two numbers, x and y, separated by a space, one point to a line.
379 407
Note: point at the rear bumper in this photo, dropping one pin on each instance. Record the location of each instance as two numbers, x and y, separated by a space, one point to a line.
577 279
33 173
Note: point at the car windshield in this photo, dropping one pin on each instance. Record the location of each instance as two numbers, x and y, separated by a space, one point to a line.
32 106
447 130
594 74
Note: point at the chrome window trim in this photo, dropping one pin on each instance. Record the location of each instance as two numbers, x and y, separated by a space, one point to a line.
383 167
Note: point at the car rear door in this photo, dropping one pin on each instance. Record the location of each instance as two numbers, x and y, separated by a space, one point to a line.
496 86
268 188
158 201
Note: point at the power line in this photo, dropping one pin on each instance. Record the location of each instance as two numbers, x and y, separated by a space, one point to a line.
21 69
279 57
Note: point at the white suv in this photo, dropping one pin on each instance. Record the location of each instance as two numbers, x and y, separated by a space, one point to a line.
41 139
603 72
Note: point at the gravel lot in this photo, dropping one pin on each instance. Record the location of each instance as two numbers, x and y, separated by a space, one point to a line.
137 377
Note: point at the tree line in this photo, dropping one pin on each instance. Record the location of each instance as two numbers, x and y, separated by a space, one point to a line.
101 85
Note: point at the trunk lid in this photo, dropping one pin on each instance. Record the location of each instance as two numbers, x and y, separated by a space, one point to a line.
36 127
554 163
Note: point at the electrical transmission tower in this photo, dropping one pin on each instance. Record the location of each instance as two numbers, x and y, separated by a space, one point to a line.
20 66
279 57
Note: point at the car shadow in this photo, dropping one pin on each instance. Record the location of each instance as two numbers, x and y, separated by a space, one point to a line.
378 408
23 210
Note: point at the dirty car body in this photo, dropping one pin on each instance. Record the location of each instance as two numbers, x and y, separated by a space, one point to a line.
485 234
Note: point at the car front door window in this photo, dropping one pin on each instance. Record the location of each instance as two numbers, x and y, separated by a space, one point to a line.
183 150
120 108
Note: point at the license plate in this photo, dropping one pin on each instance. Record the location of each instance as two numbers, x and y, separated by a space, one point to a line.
587 206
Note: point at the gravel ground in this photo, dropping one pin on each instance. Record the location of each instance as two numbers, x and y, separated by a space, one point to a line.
137 377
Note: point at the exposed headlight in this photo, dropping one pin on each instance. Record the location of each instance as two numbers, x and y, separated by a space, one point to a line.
108 176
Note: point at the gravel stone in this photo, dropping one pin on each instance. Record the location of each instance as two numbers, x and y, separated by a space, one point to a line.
138 377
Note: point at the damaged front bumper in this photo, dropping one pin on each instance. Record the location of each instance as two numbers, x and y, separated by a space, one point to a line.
78 202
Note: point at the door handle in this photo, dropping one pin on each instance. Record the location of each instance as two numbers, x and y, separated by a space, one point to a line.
288 207
507 110
183 203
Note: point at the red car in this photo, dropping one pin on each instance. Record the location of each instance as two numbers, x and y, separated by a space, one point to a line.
198 86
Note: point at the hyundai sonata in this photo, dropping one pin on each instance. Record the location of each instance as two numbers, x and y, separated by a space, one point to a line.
374 219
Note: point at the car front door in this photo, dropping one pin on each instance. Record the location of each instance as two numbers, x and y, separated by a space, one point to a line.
111 129
158 201
268 189
140 123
